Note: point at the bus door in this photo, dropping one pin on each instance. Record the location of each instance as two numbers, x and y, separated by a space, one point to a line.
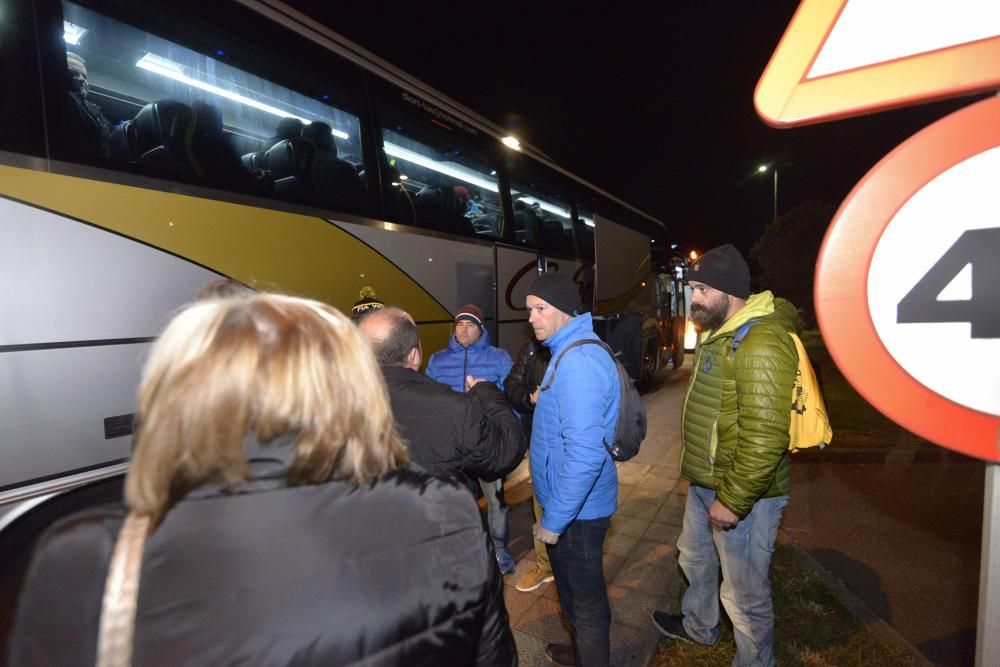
624 296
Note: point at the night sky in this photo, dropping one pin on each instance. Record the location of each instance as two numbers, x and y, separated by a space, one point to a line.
652 103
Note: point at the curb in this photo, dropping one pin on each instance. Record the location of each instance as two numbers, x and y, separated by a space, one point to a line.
860 610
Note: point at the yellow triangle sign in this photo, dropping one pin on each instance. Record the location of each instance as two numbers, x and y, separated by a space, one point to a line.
841 58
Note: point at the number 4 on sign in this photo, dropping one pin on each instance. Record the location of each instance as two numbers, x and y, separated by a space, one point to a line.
981 249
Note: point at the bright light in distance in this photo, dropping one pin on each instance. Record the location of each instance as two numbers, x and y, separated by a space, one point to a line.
762 168
588 222
404 177
73 33
447 168
693 255
171 70
690 336
673 246
511 142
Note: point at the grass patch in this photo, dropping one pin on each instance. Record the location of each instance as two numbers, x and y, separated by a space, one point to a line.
812 628
855 422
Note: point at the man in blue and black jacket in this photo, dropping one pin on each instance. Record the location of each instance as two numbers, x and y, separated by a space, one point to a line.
469 358
575 479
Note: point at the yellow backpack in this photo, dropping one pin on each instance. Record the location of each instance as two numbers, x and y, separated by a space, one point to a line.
810 425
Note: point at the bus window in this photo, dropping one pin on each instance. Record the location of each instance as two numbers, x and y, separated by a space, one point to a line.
436 178
542 214
147 104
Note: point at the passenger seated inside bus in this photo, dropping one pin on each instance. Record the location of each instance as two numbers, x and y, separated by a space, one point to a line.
270 515
87 130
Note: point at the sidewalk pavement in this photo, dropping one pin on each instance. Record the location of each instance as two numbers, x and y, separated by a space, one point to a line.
640 553
640 556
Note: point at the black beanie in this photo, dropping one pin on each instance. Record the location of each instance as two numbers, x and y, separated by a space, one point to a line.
724 269
366 303
559 290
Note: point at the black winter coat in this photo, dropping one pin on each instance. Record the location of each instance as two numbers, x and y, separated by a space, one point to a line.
472 436
525 376
400 572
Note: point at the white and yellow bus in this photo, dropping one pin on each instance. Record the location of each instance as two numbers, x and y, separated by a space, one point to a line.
147 147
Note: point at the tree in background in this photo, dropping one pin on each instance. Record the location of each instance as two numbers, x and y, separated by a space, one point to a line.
787 251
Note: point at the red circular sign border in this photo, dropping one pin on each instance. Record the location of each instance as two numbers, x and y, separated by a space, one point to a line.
841 290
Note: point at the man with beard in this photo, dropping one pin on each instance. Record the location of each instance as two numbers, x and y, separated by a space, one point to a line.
735 434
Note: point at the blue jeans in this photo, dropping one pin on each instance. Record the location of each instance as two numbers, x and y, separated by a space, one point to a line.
744 553
496 509
578 565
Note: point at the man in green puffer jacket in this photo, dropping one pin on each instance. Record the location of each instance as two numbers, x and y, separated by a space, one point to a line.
735 434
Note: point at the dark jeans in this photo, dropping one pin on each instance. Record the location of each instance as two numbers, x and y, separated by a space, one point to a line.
578 566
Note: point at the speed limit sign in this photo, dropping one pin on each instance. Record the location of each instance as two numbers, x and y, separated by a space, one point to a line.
908 283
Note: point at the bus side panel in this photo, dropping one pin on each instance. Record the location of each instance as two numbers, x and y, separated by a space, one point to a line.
80 306
69 282
54 404
515 271
623 264
454 273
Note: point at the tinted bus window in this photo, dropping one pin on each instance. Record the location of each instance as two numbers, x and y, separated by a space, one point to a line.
145 103
438 175
542 213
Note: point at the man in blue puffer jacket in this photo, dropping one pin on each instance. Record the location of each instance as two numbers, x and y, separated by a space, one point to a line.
470 357
575 479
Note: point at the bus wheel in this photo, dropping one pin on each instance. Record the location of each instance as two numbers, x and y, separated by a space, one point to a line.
650 364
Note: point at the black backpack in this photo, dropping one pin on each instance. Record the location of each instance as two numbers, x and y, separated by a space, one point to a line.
631 428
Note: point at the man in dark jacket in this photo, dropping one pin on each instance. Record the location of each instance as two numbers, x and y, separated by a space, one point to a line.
522 388
87 130
735 436
473 436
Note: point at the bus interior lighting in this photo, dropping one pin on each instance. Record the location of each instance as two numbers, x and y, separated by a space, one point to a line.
545 206
171 70
73 33
446 168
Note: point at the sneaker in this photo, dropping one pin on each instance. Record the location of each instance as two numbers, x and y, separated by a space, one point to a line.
506 563
672 625
560 654
533 578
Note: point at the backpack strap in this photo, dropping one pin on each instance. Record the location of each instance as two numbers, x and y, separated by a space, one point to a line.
586 341
741 333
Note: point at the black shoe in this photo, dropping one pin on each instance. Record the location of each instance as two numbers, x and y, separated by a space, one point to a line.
561 654
672 625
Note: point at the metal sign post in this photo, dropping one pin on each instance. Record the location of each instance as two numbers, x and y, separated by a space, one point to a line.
988 625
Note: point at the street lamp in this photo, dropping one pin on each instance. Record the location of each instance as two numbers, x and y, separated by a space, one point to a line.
762 169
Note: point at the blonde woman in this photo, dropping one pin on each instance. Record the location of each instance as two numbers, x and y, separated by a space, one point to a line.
283 524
